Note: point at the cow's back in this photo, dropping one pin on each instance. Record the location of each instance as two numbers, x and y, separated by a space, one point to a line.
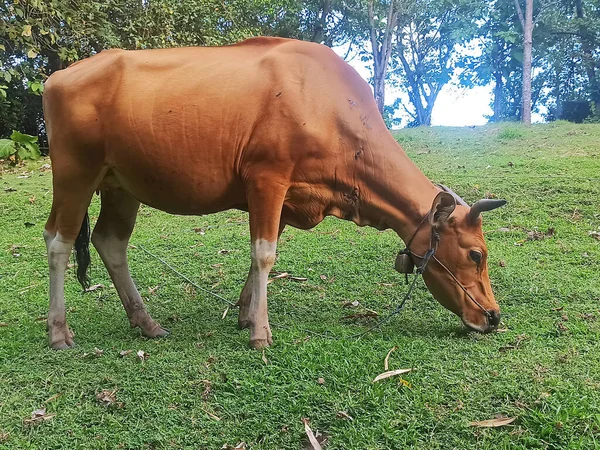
182 128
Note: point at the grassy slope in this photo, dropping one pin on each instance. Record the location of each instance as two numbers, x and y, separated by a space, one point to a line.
551 381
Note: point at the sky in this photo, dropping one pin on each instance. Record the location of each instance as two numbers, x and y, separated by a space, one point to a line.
454 106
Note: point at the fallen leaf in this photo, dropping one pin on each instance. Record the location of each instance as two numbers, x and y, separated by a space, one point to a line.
354 304
298 278
502 263
142 355
391 373
405 383
152 291
278 276
504 230
38 416
594 234
98 352
459 405
3 436
323 277
559 308
386 366
124 353
240 446
225 313
321 381
493 423
95 287
264 358
3 324
108 398
344 415
32 199
54 397
311 437
224 252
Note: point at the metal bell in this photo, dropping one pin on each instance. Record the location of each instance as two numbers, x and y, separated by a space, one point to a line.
404 263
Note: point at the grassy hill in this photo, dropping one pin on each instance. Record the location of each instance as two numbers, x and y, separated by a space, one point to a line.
202 387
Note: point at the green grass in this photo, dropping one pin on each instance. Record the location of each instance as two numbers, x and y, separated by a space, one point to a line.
550 381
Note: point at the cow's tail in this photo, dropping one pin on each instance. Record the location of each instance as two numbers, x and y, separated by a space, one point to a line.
82 252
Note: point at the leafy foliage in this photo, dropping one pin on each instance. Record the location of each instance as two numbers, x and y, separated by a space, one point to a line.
19 147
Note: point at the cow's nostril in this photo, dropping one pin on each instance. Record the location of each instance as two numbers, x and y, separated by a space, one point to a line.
494 318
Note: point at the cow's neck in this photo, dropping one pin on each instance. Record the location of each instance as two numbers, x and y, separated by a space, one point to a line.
392 190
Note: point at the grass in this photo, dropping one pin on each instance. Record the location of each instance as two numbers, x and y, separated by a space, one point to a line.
544 369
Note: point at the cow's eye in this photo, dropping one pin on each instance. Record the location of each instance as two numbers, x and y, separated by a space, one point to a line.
475 256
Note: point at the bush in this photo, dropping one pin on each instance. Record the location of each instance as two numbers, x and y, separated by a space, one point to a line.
19 147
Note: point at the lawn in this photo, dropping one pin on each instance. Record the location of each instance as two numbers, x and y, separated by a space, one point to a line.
202 387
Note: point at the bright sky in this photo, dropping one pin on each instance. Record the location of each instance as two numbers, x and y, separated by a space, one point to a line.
454 106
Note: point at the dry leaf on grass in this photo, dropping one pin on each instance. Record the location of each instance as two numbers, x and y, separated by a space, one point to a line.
95 287
152 291
142 355
264 358
124 353
278 276
311 437
38 416
3 436
344 415
225 313
391 373
493 423
3 324
240 446
386 366
298 278
54 397
354 304
108 398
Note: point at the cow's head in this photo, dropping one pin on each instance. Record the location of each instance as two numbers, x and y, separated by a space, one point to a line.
457 275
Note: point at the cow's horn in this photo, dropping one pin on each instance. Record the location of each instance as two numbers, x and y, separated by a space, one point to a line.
487 204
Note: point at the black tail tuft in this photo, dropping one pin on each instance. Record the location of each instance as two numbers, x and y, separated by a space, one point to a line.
82 252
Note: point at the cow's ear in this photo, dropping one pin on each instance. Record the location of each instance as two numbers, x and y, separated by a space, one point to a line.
441 209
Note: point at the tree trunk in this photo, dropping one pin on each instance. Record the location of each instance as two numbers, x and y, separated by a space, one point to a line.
499 84
381 52
588 57
527 51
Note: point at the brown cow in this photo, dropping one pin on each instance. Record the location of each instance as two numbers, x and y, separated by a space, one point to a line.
283 129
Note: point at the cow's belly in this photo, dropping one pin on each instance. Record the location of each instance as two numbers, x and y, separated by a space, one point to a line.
177 186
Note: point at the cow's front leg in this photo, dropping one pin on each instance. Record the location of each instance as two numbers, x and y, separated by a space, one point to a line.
264 205
246 295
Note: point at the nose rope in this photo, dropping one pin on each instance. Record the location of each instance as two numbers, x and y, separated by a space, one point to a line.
433 244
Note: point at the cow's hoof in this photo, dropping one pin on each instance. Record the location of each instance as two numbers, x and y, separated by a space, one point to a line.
156 332
259 344
60 337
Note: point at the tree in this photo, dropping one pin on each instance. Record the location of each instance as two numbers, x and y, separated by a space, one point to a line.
382 28
427 41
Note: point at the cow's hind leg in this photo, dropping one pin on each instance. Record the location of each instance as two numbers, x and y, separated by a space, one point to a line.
111 237
73 190
246 295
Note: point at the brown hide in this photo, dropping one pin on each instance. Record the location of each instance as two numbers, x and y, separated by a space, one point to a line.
282 128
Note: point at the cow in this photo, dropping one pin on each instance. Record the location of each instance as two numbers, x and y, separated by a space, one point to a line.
283 129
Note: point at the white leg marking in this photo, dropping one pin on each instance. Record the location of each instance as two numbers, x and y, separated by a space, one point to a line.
263 258
58 256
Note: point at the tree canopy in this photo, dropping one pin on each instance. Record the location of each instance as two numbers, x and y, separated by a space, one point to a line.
416 45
